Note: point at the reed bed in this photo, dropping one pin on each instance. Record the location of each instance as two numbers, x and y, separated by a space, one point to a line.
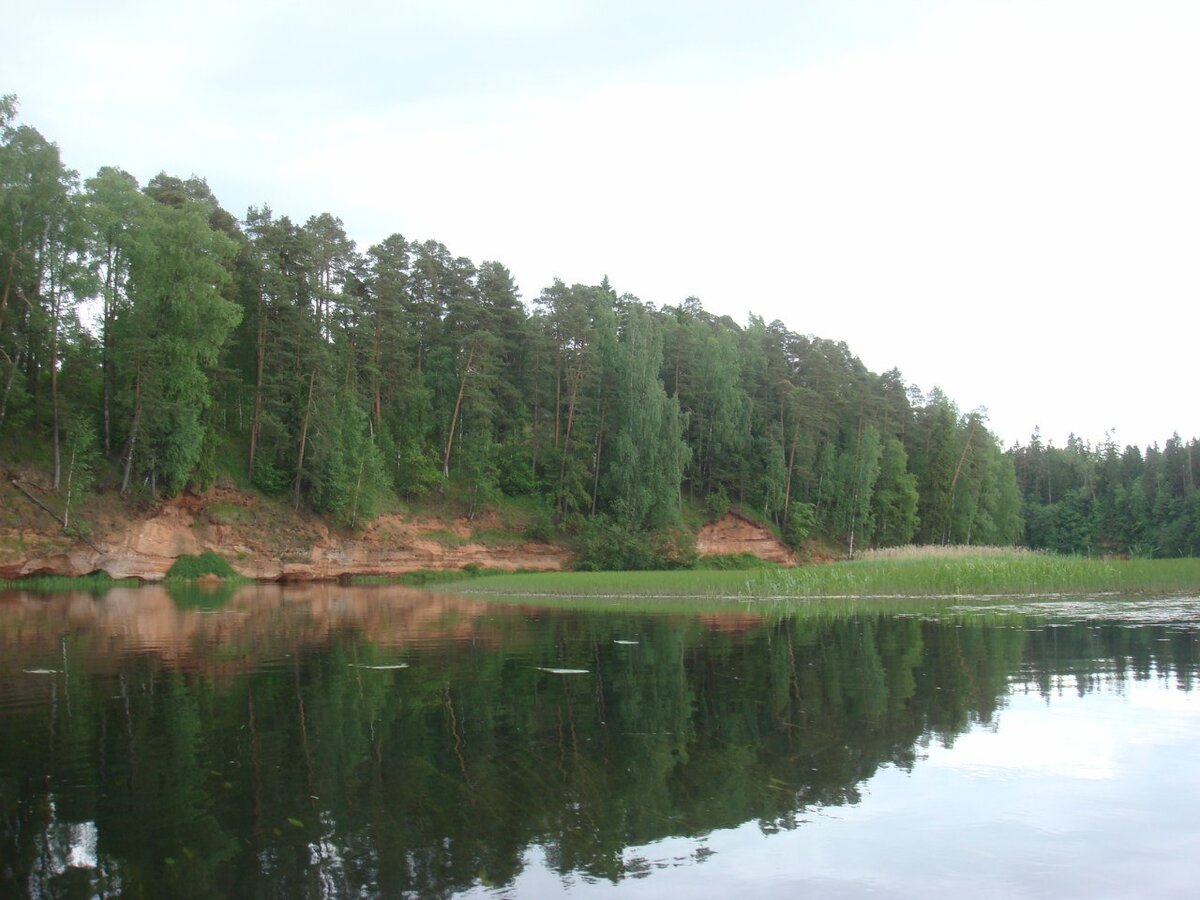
944 551
984 574
914 575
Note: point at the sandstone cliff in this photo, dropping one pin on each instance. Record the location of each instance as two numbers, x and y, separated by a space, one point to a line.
267 542
260 542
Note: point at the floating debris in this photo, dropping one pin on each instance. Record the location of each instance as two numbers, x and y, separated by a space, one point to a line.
563 671
379 668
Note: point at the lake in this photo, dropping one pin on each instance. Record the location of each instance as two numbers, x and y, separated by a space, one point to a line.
326 741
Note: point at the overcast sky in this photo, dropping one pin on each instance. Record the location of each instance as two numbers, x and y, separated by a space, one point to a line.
999 198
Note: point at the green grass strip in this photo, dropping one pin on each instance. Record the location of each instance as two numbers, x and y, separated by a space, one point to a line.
98 582
985 575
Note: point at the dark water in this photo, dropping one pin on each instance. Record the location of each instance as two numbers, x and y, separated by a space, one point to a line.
329 741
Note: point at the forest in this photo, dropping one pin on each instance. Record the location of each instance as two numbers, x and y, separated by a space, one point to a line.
151 340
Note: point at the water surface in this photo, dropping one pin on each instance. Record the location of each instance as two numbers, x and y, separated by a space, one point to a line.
329 741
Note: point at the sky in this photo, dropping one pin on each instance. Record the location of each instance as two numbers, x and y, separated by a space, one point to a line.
1001 199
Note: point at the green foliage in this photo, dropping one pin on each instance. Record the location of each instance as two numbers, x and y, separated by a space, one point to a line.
801 520
348 472
985 574
173 328
344 376
269 478
189 568
608 544
204 473
733 562
716 505
1082 499
894 506
82 461
647 452
1018 574
540 526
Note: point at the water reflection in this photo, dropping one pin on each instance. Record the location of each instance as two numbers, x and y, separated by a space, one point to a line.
318 741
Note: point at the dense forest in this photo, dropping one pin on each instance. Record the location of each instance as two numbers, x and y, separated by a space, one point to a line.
150 339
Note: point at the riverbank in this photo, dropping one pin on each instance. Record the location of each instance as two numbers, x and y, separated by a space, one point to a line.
260 539
264 540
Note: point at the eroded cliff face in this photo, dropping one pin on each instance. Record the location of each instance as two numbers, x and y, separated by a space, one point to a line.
270 543
734 534
261 545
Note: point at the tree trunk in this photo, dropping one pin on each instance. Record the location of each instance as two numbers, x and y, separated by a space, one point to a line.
954 483
787 488
131 444
312 377
66 519
55 442
596 464
377 365
557 400
12 261
106 366
8 383
260 342
462 387
566 444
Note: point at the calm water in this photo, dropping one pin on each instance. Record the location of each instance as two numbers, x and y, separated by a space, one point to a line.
328 741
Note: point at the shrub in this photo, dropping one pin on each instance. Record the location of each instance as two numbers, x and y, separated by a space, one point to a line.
193 567
801 520
716 505
606 544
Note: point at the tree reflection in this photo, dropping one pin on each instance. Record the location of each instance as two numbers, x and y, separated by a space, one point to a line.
325 772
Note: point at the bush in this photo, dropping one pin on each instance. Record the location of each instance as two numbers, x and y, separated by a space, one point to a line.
734 562
716 505
189 568
540 527
607 545
801 520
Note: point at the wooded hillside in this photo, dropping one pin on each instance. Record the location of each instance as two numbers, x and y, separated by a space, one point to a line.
148 337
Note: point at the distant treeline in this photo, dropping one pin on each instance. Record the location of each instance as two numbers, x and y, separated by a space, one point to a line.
1084 499
340 378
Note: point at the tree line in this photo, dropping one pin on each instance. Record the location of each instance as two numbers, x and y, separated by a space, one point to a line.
339 379
1102 499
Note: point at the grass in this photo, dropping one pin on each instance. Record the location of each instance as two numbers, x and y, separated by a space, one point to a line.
943 551
96 583
734 562
985 574
444 537
423 577
496 537
228 514
914 575
190 568
673 583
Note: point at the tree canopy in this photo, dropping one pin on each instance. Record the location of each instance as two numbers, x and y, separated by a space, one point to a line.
154 324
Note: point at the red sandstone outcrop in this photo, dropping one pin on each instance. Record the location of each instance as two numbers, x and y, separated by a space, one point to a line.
292 549
261 543
735 534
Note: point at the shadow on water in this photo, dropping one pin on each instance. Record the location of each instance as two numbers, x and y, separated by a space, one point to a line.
321 740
